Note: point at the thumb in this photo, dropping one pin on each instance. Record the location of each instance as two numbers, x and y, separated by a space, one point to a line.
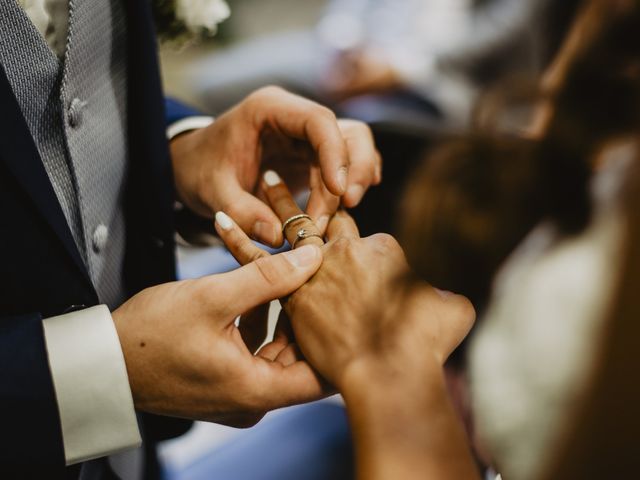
269 278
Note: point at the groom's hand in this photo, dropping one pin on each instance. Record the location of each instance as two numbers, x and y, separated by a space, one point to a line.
185 356
217 168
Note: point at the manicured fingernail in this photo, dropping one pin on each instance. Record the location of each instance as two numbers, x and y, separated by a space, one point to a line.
265 232
224 221
444 293
355 194
303 256
271 178
322 222
343 173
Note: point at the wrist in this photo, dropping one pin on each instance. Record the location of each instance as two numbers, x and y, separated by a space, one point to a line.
378 380
404 424
391 413
120 323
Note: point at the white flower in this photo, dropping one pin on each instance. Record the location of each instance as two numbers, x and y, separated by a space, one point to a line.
199 15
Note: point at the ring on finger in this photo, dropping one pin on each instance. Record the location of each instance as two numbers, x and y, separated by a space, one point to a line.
303 234
290 220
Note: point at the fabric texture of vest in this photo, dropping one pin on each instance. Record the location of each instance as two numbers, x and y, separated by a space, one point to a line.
76 110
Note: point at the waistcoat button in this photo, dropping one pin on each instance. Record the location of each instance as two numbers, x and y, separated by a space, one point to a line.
74 114
100 238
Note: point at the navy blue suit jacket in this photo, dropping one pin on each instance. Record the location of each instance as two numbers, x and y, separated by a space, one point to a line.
41 270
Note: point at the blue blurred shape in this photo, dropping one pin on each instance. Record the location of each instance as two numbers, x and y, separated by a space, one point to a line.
307 442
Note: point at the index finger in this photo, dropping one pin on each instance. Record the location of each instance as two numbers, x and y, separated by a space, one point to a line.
306 120
236 241
298 228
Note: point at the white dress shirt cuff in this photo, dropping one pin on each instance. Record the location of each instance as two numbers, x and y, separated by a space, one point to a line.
187 124
91 385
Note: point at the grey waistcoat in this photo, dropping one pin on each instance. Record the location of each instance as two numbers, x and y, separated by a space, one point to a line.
76 111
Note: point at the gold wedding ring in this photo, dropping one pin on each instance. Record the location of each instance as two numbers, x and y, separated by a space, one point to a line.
290 220
303 234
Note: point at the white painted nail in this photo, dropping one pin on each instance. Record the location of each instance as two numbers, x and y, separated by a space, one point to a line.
271 178
224 221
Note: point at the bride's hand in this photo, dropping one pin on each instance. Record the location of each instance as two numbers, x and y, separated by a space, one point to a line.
363 305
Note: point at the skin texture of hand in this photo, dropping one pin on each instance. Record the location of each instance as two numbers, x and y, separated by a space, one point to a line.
186 358
382 338
362 303
217 168
381 342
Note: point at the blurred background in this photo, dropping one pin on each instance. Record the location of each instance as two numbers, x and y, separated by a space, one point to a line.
250 20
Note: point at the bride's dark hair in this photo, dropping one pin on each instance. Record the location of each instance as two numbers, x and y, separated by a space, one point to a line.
475 198
601 440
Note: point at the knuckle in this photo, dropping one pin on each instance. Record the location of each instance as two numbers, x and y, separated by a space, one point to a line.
258 98
267 91
363 129
466 310
356 129
325 113
342 244
348 123
273 90
385 241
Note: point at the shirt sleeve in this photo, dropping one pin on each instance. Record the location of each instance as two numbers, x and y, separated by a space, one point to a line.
91 385
189 228
187 124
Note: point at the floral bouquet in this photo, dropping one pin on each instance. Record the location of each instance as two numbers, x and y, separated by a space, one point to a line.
183 21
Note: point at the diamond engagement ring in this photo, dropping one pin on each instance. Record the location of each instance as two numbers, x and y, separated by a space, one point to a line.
293 219
303 234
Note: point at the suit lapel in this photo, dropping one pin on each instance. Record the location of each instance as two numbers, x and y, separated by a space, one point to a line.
21 156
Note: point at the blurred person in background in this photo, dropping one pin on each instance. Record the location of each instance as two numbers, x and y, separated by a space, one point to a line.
554 353
417 61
